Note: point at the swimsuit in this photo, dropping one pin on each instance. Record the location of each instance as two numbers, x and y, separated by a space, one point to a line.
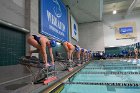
77 49
69 46
37 39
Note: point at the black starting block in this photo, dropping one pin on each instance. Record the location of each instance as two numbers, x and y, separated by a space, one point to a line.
43 75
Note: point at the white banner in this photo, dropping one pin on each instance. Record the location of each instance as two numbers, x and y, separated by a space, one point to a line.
74 29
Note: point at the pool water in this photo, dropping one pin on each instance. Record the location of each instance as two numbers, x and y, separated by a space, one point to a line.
85 76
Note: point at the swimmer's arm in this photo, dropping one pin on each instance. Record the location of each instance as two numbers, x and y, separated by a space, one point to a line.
51 55
43 51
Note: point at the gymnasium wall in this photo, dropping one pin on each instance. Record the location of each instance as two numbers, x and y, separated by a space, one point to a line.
113 50
13 11
12 39
109 33
91 36
12 22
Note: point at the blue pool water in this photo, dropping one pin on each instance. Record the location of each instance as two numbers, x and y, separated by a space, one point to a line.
104 78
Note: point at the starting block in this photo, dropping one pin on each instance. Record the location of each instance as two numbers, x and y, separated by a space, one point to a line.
78 64
43 75
70 69
50 79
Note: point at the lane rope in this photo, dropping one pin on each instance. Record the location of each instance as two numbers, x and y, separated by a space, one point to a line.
108 84
112 65
136 73
113 68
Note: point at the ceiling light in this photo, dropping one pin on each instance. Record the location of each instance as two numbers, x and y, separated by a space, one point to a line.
114 11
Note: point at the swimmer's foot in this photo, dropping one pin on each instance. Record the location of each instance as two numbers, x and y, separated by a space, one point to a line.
47 65
52 64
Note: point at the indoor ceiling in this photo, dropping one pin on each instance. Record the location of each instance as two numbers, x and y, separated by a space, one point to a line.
85 10
92 10
120 5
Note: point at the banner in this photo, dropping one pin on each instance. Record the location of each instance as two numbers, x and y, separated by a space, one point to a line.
125 30
74 29
54 19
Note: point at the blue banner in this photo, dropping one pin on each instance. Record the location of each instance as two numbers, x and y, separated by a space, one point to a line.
126 30
54 19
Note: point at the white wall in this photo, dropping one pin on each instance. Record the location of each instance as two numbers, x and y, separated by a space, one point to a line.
109 34
91 36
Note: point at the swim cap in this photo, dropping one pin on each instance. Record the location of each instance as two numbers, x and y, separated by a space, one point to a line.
77 49
82 50
52 43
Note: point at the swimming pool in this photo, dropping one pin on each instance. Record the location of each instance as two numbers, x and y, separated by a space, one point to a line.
105 77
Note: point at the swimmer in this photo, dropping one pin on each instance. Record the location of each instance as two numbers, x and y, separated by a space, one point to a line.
69 49
41 42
